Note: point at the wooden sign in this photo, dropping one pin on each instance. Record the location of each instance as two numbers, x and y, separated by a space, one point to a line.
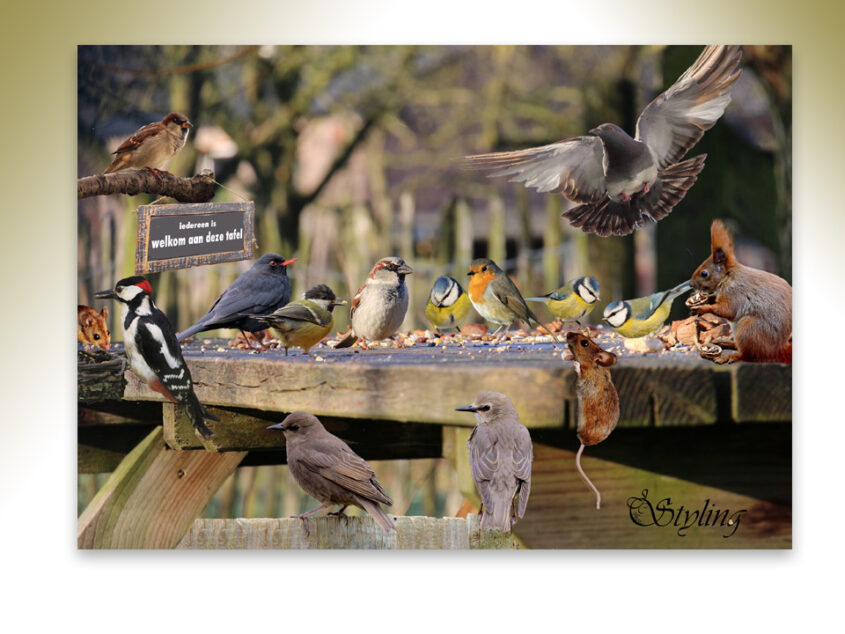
185 235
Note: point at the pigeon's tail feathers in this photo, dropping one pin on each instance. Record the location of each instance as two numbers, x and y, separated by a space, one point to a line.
671 187
606 217
197 413
377 513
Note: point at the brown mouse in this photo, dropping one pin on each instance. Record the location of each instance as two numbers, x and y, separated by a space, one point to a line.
598 402
91 327
758 304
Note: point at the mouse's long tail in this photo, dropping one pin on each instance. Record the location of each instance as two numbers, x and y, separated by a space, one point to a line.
584 475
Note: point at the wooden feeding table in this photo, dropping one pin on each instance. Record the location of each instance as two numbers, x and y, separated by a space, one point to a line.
712 442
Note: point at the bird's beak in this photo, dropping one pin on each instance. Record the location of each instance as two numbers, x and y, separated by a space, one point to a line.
339 302
291 261
594 131
109 294
277 426
467 408
187 124
404 270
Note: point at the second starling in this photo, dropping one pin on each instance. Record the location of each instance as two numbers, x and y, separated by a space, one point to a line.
500 456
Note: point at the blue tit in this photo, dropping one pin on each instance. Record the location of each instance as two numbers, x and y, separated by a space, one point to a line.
573 300
448 304
639 317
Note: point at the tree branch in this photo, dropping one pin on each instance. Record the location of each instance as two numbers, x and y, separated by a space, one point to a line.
198 189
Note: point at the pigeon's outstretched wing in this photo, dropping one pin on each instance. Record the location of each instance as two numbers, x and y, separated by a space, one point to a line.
572 167
677 119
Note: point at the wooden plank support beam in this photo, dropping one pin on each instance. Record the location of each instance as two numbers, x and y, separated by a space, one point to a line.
445 533
153 496
707 469
240 430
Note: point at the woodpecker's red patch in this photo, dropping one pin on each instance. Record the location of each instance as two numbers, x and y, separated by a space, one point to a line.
145 286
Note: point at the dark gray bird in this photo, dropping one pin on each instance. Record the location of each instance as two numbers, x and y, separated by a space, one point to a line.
259 291
621 181
500 455
329 471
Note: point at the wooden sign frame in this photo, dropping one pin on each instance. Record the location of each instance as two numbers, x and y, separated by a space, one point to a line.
146 213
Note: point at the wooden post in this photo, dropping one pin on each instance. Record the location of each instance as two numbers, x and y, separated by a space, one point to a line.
406 251
551 244
497 230
324 532
463 238
153 496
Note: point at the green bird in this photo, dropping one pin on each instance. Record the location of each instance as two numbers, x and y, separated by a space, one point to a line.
304 322
639 317
448 304
571 301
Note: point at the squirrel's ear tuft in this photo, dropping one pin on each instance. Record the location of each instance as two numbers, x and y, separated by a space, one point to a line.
719 256
721 238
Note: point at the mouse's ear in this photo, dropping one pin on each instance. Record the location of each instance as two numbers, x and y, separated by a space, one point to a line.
605 358
105 312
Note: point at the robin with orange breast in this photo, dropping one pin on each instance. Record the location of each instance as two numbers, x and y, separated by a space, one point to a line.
496 297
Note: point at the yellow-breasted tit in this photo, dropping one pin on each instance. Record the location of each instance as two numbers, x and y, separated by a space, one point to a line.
304 322
448 304
571 301
639 317
496 297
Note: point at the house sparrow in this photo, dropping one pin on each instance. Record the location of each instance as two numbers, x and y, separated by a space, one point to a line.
380 305
152 146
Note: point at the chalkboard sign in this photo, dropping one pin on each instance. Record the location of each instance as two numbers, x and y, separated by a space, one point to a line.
186 235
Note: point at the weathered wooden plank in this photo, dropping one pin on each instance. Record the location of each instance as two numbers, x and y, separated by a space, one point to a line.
240 430
426 384
153 496
427 533
761 392
735 468
561 512
368 390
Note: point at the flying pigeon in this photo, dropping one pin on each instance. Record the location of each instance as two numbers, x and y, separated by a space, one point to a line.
621 181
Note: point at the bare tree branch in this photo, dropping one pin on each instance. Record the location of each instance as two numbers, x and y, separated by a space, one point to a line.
198 189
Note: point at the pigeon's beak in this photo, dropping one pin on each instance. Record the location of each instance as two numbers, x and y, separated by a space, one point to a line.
277 426
109 294
467 408
594 131
291 261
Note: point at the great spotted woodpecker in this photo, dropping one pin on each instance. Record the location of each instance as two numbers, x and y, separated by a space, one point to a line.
152 350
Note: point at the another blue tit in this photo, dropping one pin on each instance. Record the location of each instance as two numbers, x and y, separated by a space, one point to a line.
448 304
639 317
571 301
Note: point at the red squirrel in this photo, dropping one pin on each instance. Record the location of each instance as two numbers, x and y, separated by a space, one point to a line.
598 402
758 304
91 327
